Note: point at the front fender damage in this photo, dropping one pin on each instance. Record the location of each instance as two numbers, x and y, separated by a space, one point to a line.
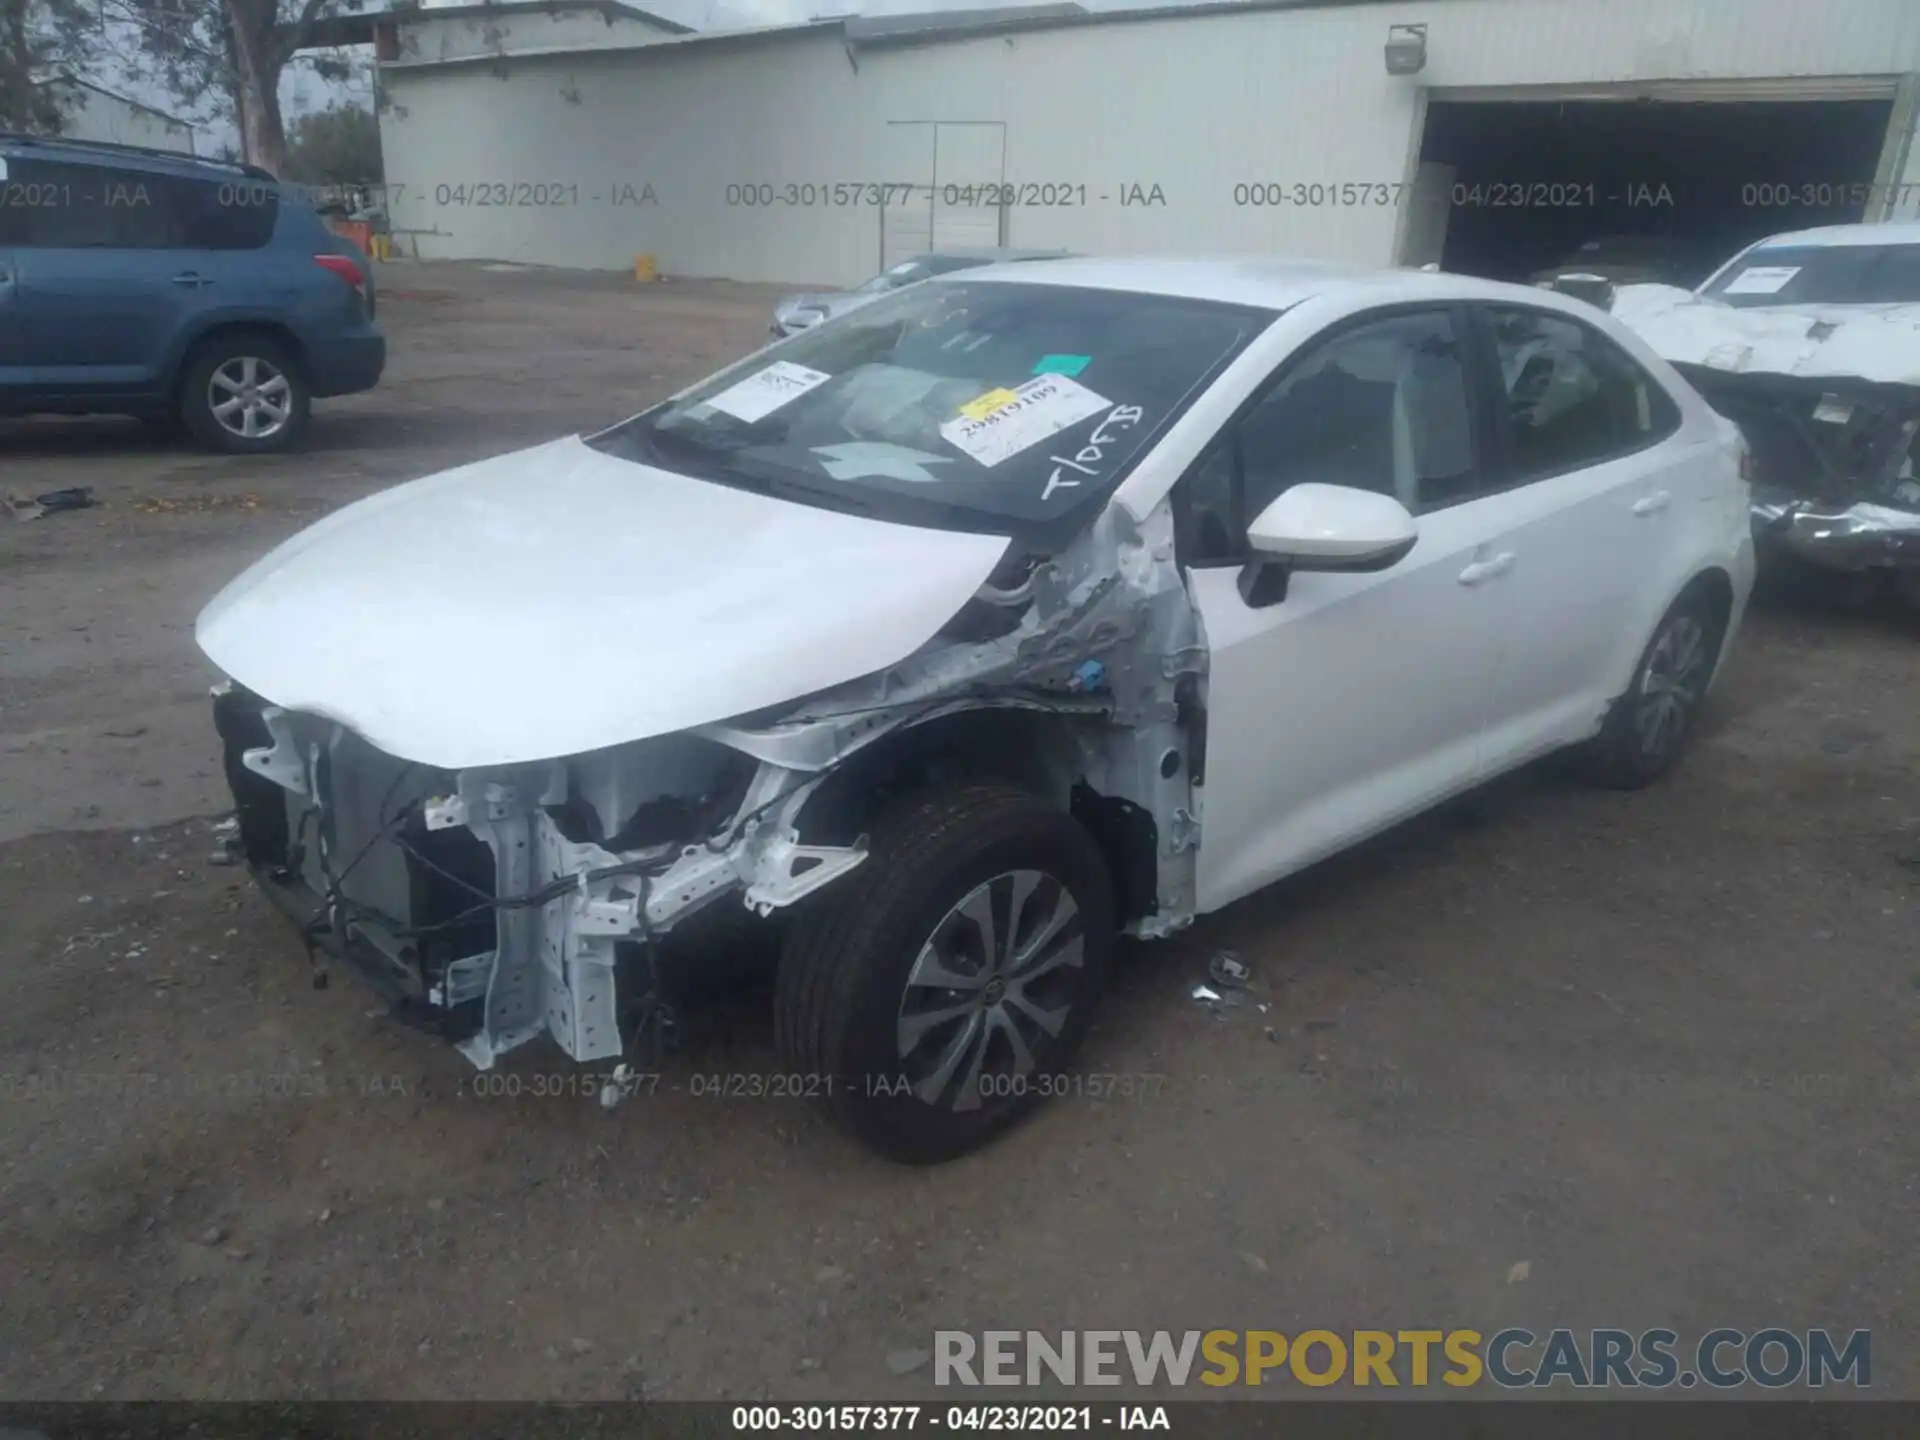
519 895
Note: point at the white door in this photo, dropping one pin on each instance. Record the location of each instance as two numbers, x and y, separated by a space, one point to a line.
1358 699
969 166
1596 518
946 178
906 221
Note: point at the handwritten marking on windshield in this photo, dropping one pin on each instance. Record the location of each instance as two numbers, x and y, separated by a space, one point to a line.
1093 452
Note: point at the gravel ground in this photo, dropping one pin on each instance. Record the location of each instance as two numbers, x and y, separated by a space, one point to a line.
1550 1057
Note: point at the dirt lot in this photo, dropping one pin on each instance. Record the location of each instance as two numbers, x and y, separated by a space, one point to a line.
1660 1048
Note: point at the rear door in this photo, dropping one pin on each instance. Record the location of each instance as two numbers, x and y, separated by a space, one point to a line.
100 287
1594 512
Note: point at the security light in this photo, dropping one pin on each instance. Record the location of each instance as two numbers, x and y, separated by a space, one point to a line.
1406 49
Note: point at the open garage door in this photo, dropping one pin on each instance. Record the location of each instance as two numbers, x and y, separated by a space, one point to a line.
1654 182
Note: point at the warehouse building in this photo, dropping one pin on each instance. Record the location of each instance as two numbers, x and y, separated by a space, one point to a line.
1494 136
88 112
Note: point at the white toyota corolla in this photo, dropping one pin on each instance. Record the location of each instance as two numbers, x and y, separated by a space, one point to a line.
951 639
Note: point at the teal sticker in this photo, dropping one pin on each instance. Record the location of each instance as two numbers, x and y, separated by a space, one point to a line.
1062 364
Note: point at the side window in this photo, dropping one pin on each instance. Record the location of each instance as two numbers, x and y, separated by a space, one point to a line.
1897 276
1572 397
1382 406
223 215
64 207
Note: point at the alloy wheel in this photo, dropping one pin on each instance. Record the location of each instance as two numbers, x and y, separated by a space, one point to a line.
250 397
991 987
1671 685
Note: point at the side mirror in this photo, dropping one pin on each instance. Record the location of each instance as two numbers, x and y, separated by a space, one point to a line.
1323 527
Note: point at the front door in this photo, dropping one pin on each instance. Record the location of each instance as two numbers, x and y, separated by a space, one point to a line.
1358 699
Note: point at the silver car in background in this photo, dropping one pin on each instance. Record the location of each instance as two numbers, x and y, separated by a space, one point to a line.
802 312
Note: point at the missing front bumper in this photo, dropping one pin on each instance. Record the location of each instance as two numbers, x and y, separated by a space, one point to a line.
485 903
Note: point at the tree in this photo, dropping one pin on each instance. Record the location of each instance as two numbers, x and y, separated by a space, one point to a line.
39 39
339 145
227 56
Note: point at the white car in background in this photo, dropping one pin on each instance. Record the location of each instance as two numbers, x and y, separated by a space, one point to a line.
802 312
961 635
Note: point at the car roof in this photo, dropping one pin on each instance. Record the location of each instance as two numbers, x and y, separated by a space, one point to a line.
132 157
1887 232
1267 282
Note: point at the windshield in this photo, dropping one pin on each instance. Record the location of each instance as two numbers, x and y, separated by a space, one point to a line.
1820 275
984 405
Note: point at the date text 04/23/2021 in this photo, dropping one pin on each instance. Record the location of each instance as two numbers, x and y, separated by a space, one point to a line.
954 1419
756 1085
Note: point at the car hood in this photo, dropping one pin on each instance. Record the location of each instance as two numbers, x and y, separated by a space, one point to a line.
1878 343
558 600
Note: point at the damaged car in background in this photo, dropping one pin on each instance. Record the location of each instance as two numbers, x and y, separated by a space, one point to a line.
949 641
1810 341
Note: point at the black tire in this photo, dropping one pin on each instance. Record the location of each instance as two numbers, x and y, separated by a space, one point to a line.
215 357
847 990
1636 746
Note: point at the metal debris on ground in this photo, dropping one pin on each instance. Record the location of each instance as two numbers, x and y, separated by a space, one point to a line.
23 507
1227 969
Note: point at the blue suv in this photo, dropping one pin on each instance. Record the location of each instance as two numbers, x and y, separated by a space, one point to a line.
188 292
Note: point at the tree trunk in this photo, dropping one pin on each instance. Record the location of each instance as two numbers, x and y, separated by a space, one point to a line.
22 105
258 63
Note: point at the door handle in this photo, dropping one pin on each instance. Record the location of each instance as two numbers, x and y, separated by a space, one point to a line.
1652 504
1487 569
190 278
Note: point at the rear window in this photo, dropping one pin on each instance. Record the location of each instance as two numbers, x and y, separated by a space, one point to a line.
1821 275
978 404
49 205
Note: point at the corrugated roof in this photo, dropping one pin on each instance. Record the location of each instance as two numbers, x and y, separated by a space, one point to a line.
864 28
357 27
512 7
925 28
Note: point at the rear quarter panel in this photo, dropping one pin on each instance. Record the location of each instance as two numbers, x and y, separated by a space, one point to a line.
280 285
1710 529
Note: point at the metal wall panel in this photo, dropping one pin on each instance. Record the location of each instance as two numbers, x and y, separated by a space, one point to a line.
1145 135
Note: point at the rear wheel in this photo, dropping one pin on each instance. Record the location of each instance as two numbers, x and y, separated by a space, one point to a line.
1649 725
934 996
245 394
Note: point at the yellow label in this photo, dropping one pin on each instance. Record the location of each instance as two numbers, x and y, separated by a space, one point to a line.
986 404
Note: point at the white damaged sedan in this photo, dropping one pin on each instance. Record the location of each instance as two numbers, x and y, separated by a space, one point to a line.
951 639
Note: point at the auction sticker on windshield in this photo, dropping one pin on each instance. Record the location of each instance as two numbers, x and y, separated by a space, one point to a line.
759 395
1035 411
1761 280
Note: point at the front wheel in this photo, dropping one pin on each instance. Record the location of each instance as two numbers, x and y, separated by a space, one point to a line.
1647 726
245 395
936 994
